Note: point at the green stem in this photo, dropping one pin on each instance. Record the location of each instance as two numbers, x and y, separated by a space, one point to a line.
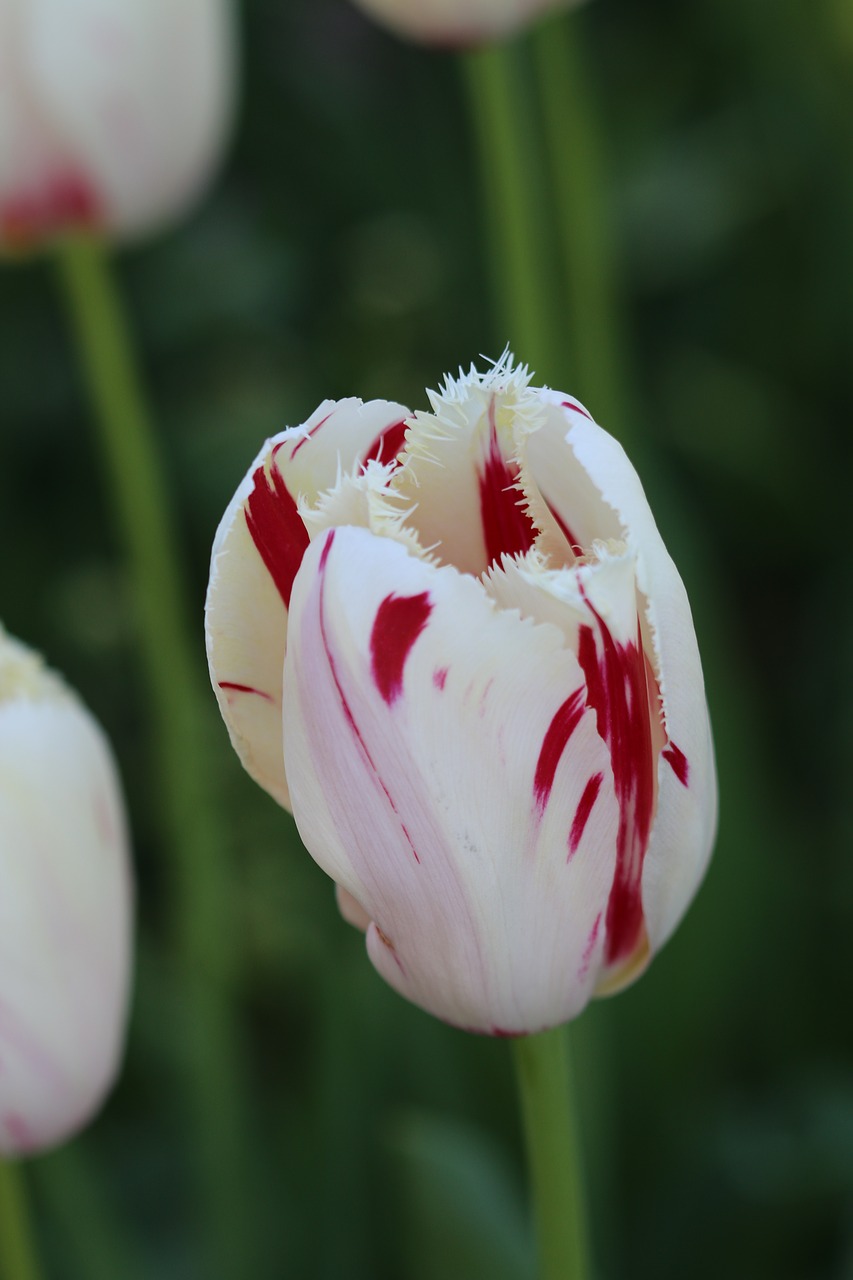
508 144
544 1085
17 1255
587 245
204 931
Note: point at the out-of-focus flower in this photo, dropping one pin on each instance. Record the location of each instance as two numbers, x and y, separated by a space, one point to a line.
111 115
65 907
456 22
494 727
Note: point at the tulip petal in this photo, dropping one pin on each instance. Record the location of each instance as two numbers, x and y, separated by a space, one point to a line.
64 912
590 485
256 554
446 772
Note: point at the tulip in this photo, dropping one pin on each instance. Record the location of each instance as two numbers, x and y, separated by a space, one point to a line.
65 908
111 115
456 22
455 646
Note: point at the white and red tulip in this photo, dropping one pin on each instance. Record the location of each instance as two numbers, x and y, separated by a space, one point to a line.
111 115
65 908
456 22
455 646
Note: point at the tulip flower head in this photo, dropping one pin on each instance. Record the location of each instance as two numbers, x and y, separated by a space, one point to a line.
456 22
455 646
65 908
111 115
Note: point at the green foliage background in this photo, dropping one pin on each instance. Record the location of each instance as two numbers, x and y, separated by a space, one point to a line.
341 252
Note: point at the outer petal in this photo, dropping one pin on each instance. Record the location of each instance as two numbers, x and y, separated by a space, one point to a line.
256 554
64 912
592 488
444 770
117 111
455 21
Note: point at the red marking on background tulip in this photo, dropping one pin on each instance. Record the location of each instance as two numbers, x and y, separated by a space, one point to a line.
387 445
307 436
245 688
589 948
19 1131
65 201
345 706
570 404
439 677
276 526
507 528
501 1033
617 692
566 720
398 623
677 761
575 543
584 809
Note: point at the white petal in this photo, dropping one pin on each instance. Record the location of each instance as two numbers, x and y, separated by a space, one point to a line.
449 22
65 909
588 480
444 771
256 553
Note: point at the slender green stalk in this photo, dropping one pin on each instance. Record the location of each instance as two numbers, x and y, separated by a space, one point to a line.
544 1085
17 1255
508 145
589 252
192 829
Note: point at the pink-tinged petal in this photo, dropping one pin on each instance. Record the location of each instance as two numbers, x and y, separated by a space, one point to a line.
446 810
351 909
585 475
456 23
65 910
257 552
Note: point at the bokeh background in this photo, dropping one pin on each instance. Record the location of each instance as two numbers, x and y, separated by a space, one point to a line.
342 252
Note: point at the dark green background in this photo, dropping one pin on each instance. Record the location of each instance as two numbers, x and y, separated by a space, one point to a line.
341 252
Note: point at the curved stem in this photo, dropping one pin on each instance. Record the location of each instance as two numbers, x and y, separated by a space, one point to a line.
204 935
553 1151
508 142
587 245
17 1254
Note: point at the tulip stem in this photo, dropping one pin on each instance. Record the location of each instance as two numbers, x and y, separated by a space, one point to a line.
203 927
508 145
589 253
17 1253
553 1151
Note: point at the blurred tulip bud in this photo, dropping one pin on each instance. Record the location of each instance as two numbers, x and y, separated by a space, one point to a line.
111 114
490 719
65 908
456 22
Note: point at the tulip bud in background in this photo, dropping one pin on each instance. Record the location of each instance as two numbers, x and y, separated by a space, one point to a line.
456 647
111 114
65 908
456 22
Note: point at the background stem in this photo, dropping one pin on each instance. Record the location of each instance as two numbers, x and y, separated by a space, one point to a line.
17 1254
204 934
553 1151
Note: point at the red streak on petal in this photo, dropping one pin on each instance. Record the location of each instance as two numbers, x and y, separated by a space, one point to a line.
19 1131
501 1033
439 677
388 444
347 709
588 949
575 543
399 621
276 527
677 760
307 436
65 201
566 720
570 404
245 688
617 692
507 528
584 809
